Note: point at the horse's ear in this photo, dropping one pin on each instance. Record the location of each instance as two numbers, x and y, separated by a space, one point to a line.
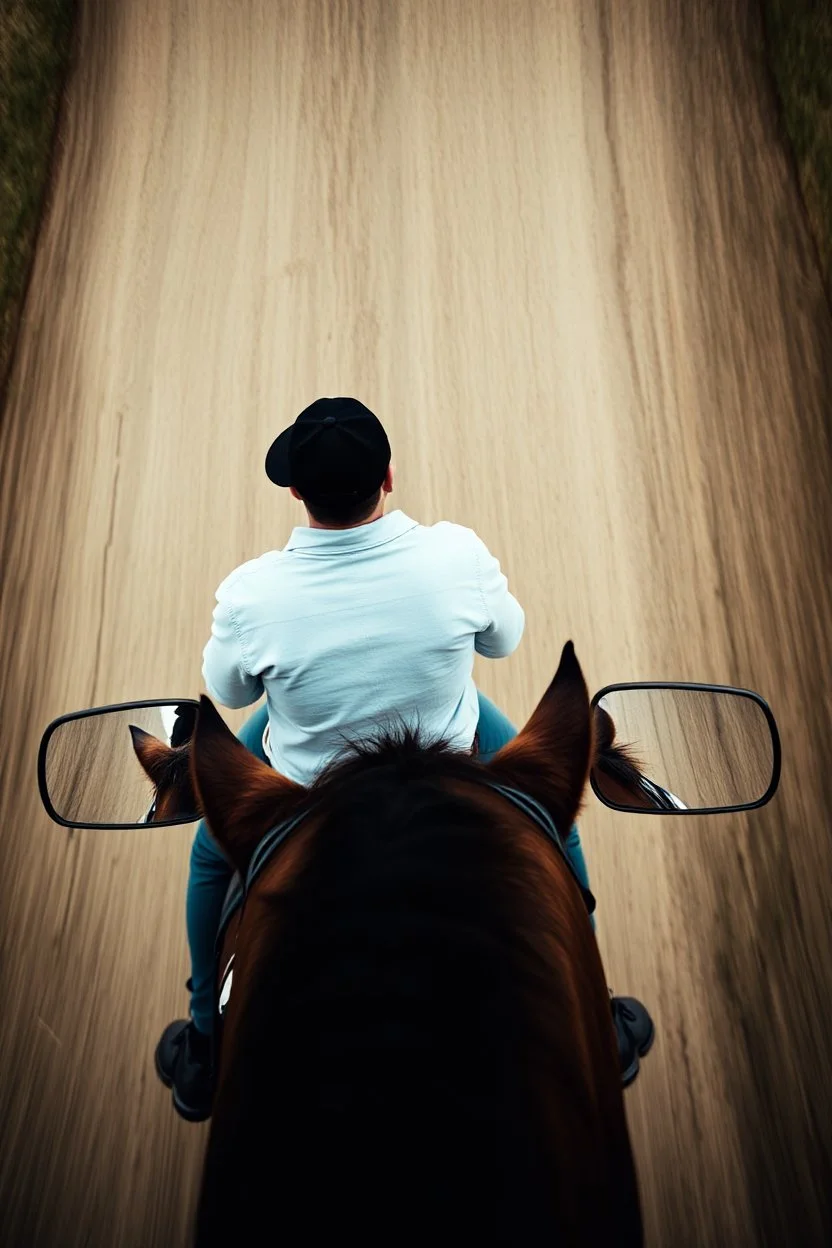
604 731
550 757
240 796
152 753
168 767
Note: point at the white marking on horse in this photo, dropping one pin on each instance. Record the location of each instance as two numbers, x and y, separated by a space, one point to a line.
225 989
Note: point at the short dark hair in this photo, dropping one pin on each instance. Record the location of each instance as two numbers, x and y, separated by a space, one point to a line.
345 514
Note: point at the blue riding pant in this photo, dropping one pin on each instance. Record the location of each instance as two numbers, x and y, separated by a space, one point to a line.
210 872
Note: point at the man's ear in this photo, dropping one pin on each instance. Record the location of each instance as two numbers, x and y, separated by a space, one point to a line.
387 483
550 757
241 797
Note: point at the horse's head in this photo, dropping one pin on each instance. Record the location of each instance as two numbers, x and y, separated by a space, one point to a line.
168 768
419 1039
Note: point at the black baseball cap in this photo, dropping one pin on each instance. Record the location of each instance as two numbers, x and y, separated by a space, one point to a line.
336 451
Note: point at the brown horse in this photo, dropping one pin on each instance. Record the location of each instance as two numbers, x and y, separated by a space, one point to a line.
418 1045
170 771
168 768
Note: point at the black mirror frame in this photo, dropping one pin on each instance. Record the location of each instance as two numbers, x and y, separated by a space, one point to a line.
678 684
100 710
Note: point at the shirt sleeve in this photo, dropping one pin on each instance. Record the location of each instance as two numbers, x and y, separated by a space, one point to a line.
223 667
505 617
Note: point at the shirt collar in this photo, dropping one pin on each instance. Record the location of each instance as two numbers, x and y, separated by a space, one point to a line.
362 537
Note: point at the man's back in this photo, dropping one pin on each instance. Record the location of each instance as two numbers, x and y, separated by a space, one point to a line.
351 630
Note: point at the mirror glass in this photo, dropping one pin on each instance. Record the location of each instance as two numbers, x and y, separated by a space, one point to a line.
682 749
121 767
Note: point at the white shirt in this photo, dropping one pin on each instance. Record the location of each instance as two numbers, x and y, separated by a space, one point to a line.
349 631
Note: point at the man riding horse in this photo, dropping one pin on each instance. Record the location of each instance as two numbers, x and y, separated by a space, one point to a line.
363 621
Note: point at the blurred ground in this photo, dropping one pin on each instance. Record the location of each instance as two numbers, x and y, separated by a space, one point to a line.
561 252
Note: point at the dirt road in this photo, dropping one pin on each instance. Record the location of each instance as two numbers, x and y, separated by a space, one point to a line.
559 250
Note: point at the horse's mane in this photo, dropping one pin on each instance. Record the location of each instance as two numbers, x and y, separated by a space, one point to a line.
429 954
621 764
174 766
397 745
172 778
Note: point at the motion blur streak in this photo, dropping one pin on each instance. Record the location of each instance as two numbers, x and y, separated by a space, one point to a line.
559 250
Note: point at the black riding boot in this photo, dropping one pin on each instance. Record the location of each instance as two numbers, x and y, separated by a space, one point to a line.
635 1032
184 1063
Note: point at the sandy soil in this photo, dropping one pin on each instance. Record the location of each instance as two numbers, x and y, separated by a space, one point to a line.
559 250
